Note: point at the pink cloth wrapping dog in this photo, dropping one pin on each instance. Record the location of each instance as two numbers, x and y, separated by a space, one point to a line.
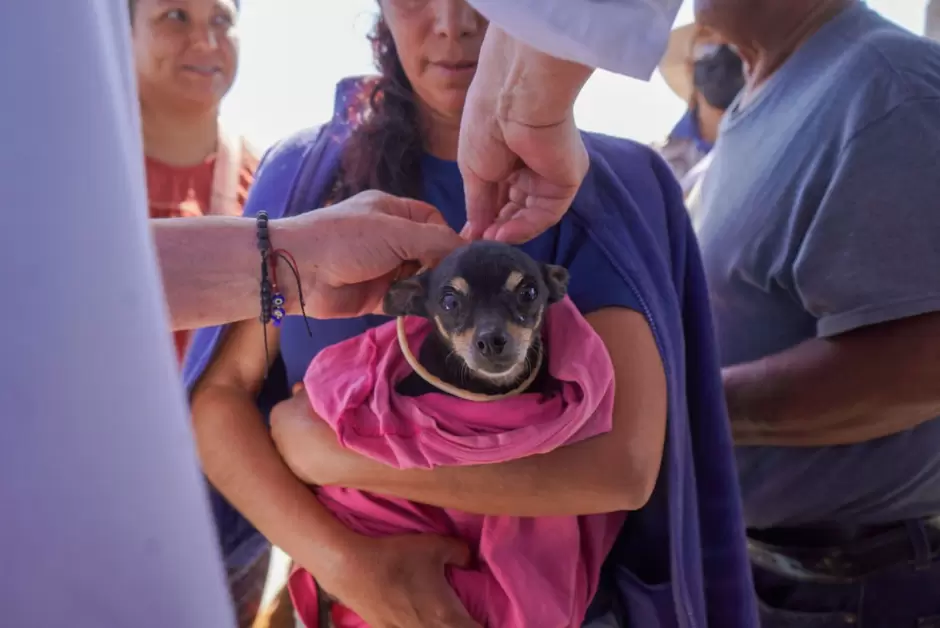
529 572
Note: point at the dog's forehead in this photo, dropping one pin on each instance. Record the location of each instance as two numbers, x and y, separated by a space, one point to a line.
490 263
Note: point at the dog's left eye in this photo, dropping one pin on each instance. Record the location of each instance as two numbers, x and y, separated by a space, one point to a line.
448 301
529 294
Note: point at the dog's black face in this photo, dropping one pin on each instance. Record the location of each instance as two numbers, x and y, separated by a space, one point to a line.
487 301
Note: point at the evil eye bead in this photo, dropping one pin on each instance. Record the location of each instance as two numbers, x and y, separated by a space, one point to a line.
278 300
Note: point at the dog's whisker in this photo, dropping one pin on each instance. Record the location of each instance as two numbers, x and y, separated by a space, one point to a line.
463 371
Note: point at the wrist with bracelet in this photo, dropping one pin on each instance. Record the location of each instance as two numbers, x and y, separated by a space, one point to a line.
271 297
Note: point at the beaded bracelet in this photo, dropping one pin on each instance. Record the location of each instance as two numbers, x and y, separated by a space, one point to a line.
272 299
264 247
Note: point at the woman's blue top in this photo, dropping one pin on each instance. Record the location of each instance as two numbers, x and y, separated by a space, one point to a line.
681 560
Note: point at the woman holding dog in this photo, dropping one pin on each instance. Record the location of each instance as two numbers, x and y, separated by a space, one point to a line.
398 133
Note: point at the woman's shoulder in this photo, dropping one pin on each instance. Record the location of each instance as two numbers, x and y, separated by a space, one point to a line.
628 159
631 207
290 149
286 166
350 93
632 172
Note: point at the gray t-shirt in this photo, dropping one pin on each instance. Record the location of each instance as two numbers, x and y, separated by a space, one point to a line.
821 214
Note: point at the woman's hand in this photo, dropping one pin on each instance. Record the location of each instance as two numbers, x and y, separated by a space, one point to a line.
520 153
392 582
349 253
400 582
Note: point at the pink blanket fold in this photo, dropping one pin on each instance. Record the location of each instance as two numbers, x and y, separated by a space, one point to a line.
540 572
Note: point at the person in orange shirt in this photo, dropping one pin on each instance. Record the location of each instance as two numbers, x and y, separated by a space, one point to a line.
186 57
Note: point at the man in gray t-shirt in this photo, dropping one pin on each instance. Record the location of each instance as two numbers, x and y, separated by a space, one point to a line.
820 231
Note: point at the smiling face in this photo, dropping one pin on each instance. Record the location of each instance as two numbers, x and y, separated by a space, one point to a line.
438 44
487 301
185 51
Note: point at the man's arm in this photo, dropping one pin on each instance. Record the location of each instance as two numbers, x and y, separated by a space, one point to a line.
612 472
868 270
856 387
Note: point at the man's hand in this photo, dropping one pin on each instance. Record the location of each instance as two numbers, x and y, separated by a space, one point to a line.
520 153
348 254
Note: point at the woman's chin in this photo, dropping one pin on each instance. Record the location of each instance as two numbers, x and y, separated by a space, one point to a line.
198 100
449 105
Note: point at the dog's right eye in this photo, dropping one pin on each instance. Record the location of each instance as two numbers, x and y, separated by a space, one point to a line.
529 294
449 301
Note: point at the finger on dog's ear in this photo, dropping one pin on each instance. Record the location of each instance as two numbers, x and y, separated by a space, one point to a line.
407 270
298 388
556 279
407 297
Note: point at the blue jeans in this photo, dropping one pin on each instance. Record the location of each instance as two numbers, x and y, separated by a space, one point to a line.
889 580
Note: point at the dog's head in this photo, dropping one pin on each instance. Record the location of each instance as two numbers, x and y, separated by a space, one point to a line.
487 301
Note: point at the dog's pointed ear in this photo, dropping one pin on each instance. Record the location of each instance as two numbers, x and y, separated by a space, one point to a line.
556 279
407 297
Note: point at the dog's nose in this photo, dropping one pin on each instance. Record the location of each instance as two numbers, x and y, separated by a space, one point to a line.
492 343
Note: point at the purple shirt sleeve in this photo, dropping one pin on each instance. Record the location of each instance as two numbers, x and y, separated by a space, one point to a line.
103 509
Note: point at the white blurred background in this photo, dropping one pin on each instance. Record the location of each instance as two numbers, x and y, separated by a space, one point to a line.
294 52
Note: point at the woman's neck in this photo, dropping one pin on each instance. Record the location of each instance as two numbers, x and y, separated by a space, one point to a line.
440 134
179 140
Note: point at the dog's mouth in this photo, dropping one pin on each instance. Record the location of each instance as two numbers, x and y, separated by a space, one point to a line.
504 370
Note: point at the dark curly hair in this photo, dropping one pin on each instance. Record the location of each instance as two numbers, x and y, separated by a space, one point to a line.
384 151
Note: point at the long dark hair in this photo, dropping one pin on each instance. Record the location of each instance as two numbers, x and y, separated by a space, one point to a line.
384 151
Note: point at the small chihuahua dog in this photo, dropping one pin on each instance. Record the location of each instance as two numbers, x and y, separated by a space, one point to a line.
487 303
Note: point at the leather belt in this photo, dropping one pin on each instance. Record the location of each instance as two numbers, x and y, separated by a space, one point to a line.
864 551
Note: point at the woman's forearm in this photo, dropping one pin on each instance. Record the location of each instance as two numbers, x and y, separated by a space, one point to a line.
567 481
241 462
611 472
